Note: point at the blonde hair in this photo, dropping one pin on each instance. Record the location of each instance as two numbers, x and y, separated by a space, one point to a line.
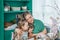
21 23
25 14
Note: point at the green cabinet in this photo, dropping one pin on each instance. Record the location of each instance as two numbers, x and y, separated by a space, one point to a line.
8 34
11 15
16 0
1 21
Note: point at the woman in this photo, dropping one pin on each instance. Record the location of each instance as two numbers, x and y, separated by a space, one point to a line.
39 28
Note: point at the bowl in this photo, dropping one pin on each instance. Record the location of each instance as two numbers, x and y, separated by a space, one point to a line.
16 8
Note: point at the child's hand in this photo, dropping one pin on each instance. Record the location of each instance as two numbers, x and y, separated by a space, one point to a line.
30 30
32 35
18 31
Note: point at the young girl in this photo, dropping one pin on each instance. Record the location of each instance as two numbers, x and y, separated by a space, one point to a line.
30 32
21 32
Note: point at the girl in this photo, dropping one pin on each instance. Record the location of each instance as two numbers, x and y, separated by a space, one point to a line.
30 32
21 32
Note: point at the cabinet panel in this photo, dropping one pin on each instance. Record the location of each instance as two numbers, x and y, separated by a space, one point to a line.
1 21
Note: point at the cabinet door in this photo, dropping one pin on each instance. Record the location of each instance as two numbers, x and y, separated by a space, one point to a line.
1 21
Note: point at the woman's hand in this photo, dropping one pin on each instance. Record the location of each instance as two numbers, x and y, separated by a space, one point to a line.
31 35
42 33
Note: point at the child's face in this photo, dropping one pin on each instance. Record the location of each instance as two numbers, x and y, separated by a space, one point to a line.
25 27
30 30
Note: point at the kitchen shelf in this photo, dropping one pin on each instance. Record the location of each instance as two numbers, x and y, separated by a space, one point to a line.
17 11
18 0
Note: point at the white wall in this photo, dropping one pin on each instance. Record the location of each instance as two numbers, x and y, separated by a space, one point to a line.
43 9
38 9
